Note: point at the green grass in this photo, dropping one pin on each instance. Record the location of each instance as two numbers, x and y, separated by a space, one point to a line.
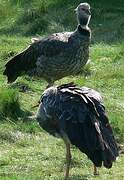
26 155
39 17
9 103
26 151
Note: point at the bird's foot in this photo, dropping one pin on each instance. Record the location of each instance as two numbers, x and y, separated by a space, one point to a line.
96 173
66 176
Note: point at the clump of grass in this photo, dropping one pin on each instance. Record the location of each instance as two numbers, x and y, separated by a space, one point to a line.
9 103
5 9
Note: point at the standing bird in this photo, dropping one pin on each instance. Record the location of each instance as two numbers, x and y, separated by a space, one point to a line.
78 116
57 56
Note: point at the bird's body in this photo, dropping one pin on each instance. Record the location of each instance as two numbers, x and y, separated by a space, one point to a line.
54 57
78 116
65 55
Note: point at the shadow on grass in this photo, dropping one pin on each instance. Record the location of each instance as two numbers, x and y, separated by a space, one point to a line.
20 115
22 87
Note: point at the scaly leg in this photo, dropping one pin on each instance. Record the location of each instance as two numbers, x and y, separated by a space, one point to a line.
95 171
68 153
68 160
50 83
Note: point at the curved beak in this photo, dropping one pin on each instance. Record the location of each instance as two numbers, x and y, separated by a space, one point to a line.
88 11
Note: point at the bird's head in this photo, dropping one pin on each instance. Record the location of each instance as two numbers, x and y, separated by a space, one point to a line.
46 104
46 115
83 14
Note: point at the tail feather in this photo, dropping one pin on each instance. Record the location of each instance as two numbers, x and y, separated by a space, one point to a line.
107 143
13 68
20 64
106 137
97 142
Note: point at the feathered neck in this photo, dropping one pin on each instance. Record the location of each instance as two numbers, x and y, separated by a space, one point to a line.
85 30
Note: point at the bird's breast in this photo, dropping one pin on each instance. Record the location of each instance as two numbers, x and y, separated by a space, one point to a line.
67 62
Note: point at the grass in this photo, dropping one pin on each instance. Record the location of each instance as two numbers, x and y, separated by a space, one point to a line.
39 17
27 155
9 103
26 151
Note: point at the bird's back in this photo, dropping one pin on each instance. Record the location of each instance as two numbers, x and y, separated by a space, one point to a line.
80 114
51 58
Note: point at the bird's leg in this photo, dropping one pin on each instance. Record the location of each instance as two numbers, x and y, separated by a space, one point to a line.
95 170
50 83
68 160
68 153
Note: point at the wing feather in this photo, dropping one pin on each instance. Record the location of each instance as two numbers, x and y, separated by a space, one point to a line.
81 116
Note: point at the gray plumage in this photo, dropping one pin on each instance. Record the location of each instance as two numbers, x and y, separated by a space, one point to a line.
79 117
59 55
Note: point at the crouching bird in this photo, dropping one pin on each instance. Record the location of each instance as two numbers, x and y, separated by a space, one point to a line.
78 116
56 56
